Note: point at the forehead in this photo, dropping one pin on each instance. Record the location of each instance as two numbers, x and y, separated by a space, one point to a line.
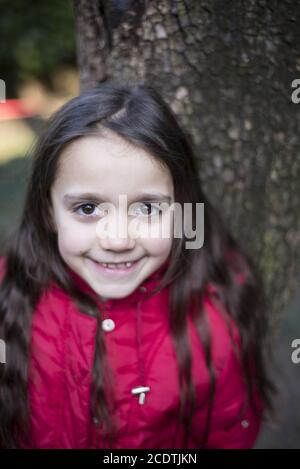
111 163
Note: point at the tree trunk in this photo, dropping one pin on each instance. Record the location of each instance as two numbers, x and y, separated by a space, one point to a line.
226 68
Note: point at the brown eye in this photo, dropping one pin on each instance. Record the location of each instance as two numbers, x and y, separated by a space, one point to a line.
85 209
88 208
148 209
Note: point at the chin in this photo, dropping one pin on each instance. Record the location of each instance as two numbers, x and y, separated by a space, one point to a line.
116 295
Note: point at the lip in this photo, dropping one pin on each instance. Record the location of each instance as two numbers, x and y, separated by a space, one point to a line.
114 272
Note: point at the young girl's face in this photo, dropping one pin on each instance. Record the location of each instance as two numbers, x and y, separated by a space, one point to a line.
94 224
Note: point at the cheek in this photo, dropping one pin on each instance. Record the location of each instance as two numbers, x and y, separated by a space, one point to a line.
73 238
158 246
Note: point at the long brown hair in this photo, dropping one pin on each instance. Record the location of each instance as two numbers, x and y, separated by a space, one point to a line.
139 115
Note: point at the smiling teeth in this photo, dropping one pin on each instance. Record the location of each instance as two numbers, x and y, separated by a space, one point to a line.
122 265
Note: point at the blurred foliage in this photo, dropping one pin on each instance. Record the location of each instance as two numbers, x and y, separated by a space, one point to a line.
14 177
36 36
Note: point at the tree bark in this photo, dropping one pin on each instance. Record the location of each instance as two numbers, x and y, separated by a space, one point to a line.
226 69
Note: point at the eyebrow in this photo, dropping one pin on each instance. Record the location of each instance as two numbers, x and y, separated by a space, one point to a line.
144 196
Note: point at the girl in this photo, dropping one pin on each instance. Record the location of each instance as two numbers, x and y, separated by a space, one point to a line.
115 340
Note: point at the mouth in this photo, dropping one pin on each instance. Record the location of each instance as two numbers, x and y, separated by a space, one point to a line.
120 268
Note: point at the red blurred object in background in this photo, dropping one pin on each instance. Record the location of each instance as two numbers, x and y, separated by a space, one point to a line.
16 109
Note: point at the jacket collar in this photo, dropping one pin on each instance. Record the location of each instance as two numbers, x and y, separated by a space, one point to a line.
146 287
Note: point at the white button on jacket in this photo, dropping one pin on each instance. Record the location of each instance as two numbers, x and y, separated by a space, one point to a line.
108 325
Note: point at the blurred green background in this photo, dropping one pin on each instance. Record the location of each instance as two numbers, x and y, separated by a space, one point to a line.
36 38
38 66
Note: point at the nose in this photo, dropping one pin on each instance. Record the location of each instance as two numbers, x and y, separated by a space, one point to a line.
112 233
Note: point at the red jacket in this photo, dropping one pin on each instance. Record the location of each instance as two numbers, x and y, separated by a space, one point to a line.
60 375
